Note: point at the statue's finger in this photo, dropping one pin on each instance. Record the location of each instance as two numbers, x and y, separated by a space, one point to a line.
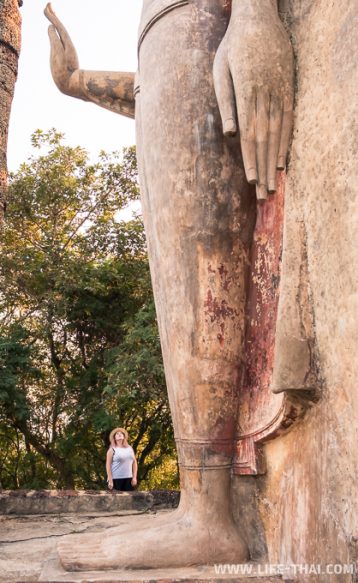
59 70
70 51
224 90
48 12
52 16
53 36
57 56
246 107
262 128
275 123
286 130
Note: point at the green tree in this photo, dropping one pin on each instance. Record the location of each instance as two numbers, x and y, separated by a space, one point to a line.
79 347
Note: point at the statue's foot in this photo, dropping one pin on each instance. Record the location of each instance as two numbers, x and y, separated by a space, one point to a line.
177 541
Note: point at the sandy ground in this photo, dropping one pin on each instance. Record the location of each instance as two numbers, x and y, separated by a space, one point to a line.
26 542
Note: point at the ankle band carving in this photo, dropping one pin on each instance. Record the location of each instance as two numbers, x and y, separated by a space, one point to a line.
205 454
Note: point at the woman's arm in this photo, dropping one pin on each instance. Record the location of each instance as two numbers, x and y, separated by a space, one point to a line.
112 90
135 472
109 459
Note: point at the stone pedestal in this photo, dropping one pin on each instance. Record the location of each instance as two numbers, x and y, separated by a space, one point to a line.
54 573
29 548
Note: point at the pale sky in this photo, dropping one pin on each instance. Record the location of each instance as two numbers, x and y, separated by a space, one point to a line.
105 35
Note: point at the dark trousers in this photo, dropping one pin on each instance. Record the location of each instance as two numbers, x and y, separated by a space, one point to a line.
123 484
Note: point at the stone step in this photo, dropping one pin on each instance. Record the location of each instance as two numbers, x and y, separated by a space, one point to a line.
53 572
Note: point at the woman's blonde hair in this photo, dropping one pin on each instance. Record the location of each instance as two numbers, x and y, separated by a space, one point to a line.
113 433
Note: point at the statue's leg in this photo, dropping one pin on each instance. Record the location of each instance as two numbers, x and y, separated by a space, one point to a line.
199 215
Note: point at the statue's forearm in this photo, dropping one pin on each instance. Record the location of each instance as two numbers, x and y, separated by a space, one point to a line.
111 90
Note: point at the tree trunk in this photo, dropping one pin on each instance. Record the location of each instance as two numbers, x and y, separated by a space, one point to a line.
10 40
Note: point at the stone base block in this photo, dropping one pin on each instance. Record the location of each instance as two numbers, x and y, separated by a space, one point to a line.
54 573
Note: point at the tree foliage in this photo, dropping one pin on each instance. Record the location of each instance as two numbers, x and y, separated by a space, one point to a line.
79 346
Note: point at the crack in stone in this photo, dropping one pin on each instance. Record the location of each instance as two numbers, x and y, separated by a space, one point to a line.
63 520
25 540
35 517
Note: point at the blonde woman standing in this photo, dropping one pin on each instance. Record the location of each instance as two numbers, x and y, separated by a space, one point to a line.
121 463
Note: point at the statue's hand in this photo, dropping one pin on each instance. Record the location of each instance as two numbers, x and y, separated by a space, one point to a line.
108 89
64 60
253 75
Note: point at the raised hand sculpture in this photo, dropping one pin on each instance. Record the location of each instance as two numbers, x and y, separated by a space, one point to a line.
199 213
112 90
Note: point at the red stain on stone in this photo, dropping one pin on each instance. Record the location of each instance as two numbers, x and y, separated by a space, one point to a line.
256 399
217 310
221 335
222 439
226 280
222 270
263 295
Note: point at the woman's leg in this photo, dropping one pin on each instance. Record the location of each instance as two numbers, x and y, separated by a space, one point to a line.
116 484
126 485
123 484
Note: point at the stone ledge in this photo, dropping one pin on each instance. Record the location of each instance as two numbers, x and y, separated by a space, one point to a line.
23 502
54 573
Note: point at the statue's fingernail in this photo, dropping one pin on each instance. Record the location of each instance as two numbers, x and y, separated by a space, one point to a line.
281 163
229 127
261 191
272 186
251 175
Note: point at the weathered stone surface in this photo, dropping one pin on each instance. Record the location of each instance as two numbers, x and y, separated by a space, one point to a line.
69 501
309 499
186 575
53 573
10 41
28 551
27 542
165 499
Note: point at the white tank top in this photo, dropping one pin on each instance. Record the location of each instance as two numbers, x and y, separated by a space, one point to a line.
122 462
